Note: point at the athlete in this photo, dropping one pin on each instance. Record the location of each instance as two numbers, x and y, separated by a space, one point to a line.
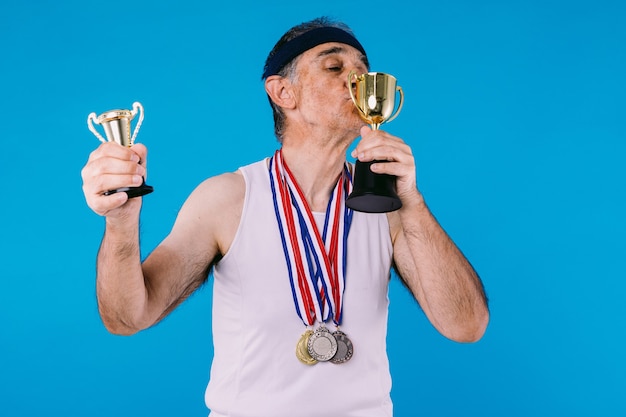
300 280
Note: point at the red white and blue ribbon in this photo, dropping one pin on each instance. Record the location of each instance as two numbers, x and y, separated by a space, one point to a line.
316 261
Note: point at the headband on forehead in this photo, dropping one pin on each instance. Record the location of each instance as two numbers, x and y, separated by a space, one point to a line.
291 49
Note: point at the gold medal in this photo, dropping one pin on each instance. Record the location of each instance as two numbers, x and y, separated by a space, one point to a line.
302 351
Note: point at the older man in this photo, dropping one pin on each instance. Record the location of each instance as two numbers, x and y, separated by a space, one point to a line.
300 280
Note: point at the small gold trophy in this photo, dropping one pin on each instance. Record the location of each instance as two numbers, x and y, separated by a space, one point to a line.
375 99
116 124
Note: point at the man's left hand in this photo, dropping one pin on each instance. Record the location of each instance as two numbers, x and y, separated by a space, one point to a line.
396 158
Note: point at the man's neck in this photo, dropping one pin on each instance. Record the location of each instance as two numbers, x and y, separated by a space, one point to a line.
316 167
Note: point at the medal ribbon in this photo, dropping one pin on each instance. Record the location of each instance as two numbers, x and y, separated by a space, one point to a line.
316 263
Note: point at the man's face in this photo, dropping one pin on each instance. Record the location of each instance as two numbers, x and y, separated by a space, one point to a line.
322 85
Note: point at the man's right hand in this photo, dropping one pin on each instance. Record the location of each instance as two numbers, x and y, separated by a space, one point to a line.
110 167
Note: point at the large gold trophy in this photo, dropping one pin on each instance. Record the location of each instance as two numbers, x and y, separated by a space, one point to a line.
375 99
116 124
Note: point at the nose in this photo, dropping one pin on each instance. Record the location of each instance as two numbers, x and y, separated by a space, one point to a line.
351 77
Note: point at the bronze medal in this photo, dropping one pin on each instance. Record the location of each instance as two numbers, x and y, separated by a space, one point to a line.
322 346
302 352
344 348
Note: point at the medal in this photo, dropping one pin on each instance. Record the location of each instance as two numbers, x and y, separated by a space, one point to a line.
316 262
302 351
322 345
344 348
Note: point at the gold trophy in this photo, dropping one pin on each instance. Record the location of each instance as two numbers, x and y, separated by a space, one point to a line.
116 124
375 99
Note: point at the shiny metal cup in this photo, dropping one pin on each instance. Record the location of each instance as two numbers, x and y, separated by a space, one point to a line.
117 125
374 95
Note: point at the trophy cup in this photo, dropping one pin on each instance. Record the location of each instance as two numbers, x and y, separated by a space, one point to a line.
116 125
375 99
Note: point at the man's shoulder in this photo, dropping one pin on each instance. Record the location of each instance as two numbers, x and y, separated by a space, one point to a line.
223 188
224 193
233 181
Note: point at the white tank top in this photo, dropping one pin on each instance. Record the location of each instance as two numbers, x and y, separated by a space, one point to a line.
255 371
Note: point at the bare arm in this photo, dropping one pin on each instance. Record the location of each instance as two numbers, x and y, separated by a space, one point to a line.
438 274
132 296
433 268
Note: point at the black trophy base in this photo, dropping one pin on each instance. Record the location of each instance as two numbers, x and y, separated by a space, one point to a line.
132 192
372 193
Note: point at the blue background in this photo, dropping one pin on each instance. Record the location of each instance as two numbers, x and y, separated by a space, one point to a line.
516 113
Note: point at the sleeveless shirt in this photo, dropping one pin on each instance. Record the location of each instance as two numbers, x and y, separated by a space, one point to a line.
255 371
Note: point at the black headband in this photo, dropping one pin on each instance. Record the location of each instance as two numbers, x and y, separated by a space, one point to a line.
302 43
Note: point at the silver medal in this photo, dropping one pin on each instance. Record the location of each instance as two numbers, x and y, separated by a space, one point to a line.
322 345
344 348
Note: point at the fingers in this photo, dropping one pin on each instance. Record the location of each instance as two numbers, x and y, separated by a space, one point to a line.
381 146
141 151
111 167
396 159
103 205
113 150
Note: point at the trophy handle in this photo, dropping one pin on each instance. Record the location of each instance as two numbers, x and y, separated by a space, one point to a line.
92 116
395 114
137 107
350 77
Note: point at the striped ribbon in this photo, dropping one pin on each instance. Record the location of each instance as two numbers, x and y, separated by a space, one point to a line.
316 262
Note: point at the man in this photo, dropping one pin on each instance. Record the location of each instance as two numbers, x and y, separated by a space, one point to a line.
291 263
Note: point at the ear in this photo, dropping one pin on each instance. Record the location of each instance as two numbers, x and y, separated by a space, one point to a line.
280 91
